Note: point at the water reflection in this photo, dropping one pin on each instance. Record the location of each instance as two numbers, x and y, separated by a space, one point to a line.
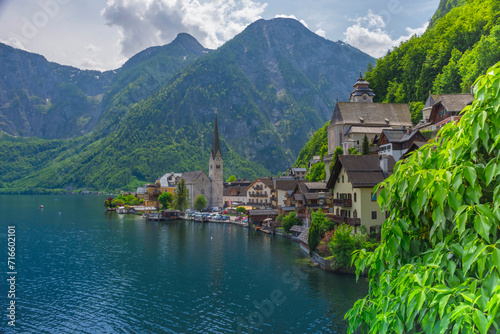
91 271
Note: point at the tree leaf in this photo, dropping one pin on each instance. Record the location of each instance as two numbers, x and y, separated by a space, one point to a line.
480 321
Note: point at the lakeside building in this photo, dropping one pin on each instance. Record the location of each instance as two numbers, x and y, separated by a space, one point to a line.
260 191
440 109
352 120
212 185
396 143
235 193
305 198
352 181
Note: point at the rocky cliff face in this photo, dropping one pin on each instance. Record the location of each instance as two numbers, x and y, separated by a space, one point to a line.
47 100
43 99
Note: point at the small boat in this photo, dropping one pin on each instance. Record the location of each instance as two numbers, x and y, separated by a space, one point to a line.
41 206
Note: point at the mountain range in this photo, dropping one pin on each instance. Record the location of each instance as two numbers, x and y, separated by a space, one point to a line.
273 85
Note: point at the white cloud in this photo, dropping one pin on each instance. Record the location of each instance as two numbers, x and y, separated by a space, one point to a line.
292 17
368 34
320 32
143 23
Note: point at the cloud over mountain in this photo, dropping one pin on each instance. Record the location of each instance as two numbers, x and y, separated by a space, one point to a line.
369 34
144 23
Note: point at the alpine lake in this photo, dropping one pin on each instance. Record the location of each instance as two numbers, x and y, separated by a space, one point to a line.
80 269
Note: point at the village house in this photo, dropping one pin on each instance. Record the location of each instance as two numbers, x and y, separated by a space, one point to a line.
447 109
168 182
235 193
306 198
442 109
152 191
397 142
352 181
297 172
259 192
314 161
281 187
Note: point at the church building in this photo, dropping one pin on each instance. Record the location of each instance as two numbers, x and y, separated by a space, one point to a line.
352 120
211 186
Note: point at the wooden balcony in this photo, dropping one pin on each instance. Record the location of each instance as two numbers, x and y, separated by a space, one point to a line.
344 220
342 202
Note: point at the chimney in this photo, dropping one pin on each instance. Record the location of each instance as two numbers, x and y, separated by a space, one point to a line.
384 164
408 131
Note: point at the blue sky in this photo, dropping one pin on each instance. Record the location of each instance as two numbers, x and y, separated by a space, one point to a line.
103 34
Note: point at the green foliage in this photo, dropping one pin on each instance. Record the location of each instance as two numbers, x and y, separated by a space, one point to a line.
338 151
317 172
314 235
124 200
289 220
200 202
344 243
353 151
166 199
365 147
232 178
461 42
108 202
416 112
181 196
442 235
317 145
240 209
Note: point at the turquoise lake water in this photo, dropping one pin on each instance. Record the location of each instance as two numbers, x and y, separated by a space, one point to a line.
83 270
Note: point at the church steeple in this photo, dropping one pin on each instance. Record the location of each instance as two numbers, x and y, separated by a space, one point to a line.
361 92
216 170
215 141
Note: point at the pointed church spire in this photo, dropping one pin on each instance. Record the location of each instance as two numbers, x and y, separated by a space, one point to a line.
215 142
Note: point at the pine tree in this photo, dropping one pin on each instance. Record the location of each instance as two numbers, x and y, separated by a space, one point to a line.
365 148
181 196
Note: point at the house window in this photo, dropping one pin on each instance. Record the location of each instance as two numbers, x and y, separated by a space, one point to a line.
342 178
374 197
374 214
211 166
355 197
217 166
202 191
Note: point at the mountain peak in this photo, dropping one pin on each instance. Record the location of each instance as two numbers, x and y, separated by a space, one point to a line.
187 40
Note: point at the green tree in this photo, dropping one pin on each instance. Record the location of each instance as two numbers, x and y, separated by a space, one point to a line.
323 222
437 268
166 199
314 234
449 80
365 146
232 178
200 202
181 196
338 151
353 151
317 172
240 210
416 112
289 220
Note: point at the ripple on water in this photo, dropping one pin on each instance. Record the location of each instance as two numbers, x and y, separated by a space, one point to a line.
90 272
